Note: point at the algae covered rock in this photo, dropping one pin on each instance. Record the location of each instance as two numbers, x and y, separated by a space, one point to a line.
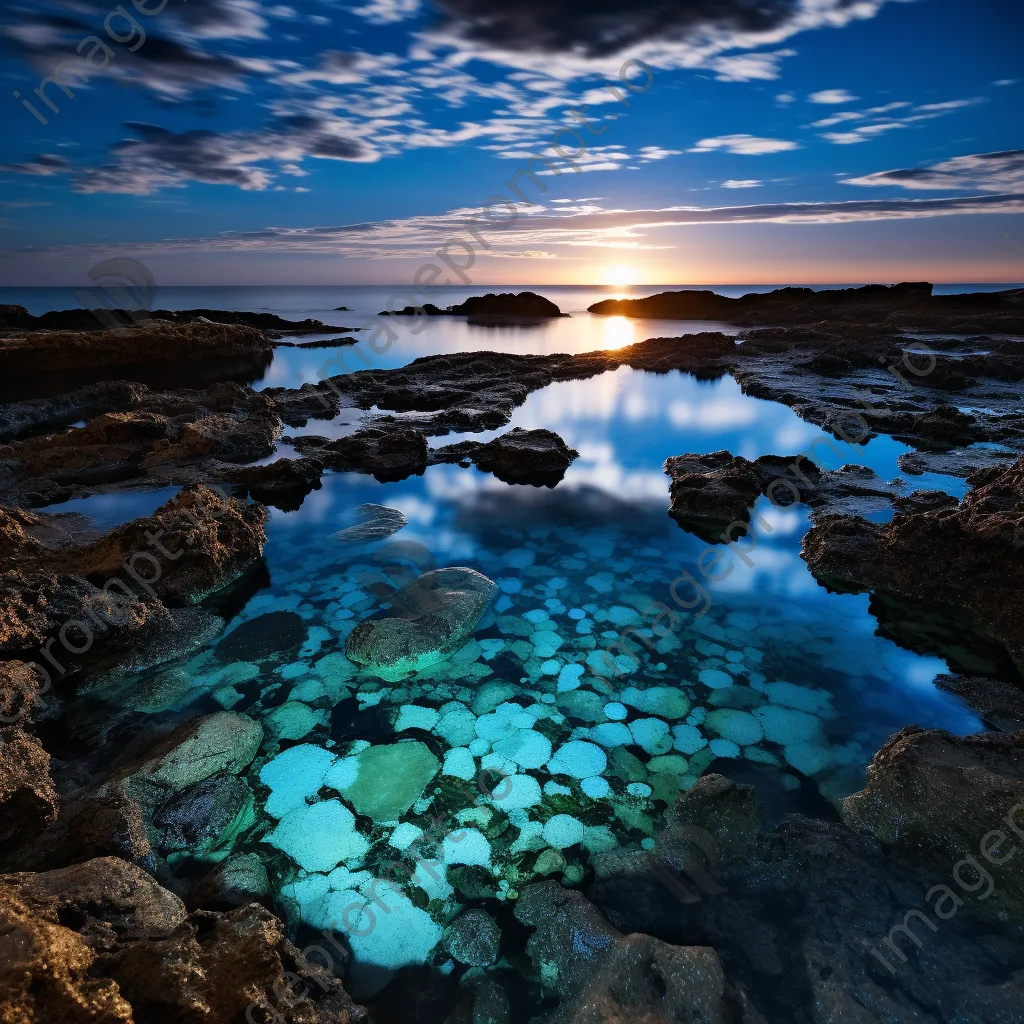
385 781
435 613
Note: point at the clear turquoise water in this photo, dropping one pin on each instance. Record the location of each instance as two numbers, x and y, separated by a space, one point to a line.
766 677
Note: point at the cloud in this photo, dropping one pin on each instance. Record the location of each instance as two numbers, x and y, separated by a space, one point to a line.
386 12
832 96
744 145
744 183
991 172
785 98
613 26
750 67
44 165
167 159
880 119
1003 82
540 229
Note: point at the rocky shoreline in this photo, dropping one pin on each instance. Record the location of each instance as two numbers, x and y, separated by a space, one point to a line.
120 897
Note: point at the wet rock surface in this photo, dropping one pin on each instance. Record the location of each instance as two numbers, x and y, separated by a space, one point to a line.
538 457
712 496
999 704
967 558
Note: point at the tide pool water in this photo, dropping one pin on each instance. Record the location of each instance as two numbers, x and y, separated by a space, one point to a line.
607 674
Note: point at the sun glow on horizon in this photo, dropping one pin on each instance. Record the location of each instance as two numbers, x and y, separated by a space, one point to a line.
620 275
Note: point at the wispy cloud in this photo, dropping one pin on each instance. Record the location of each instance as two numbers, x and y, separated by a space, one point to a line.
744 145
880 120
991 172
540 230
741 183
832 96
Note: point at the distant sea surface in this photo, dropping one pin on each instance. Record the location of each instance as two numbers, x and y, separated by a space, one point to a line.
297 301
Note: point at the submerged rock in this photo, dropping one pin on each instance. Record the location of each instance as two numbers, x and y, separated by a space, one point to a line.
1000 704
436 612
599 974
473 938
377 521
384 781
538 457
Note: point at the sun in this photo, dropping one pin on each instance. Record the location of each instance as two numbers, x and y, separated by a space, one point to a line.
619 275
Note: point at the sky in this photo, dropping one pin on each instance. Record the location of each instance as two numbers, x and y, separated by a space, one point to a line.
543 142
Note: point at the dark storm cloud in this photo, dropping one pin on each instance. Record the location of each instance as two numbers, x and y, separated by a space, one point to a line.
598 28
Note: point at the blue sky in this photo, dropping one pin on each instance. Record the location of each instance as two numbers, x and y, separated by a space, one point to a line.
231 141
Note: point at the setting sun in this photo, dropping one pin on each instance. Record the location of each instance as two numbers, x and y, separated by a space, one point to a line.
619 275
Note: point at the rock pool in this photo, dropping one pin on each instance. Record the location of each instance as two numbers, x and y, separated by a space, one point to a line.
559 713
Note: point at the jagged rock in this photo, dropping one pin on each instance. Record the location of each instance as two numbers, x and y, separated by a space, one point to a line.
940 797
283 483
601 975
389 455
434 614
28 797
102 943
34 415
192 546
962 462
1000 704
538 457
712 495
967 558
46 973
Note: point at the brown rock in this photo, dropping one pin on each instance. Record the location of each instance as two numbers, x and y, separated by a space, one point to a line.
968 558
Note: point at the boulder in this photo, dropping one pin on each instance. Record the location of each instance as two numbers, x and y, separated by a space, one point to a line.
435 614
388 454
538 457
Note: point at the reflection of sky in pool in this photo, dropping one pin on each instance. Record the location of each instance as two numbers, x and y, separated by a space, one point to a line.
777 681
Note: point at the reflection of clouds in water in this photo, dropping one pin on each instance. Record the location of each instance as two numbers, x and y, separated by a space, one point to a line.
713 413
414 508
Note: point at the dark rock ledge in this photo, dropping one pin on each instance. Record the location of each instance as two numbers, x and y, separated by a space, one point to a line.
968 558
906 306
712 495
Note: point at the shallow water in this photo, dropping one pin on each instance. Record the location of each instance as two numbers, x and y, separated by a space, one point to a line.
762 675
